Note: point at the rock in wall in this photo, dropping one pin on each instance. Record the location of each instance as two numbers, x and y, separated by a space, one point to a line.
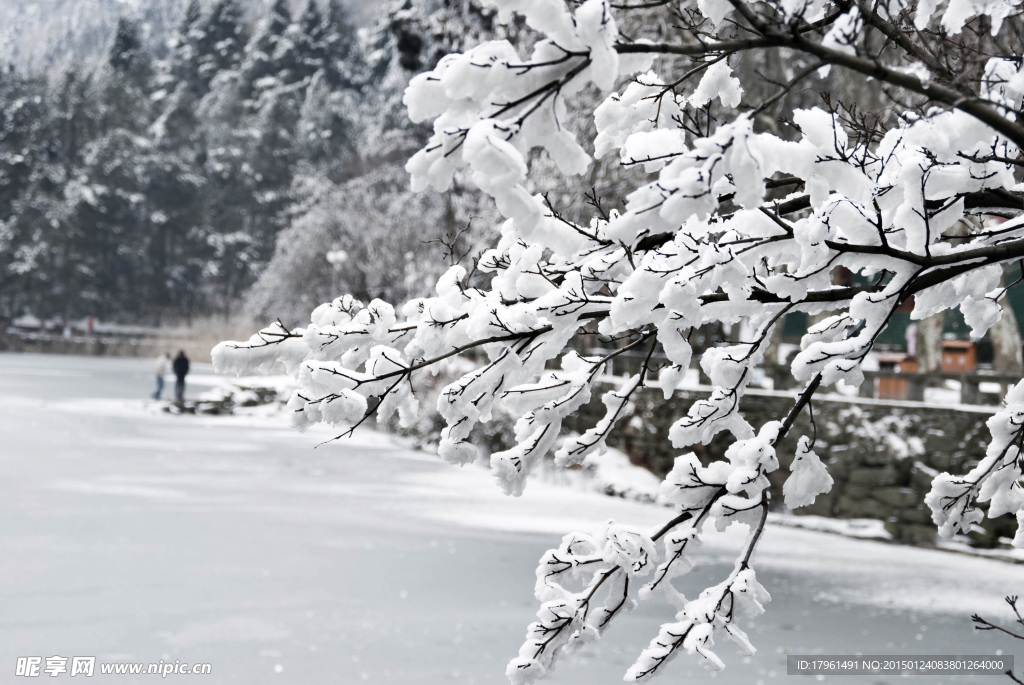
882 455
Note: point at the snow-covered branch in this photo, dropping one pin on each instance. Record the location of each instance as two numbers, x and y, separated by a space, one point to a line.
739 222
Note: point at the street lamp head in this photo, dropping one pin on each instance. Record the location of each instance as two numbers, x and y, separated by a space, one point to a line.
337 258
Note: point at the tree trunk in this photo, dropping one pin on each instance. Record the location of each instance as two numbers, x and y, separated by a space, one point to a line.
929 343
1006 346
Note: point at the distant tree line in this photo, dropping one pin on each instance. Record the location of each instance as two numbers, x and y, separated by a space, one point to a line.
147 190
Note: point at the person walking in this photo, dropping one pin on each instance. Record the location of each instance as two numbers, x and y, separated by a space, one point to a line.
161 367
180 371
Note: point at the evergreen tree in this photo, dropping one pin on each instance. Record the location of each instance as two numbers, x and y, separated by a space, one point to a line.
272 159
29 181
176 127
20 122
183 63
327 135
311 39
177 249
229 198
109 228
343 63
75 117
190 21
220 40
127 56
125 81
264 52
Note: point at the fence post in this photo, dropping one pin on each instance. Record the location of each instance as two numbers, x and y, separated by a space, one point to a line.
969 390
867 388
915 386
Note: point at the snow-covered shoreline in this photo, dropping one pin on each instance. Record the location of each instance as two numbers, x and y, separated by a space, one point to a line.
610 473
236 541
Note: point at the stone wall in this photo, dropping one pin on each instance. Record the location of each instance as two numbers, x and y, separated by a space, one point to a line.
882 455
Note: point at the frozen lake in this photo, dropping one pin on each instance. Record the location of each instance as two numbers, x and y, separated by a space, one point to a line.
137 536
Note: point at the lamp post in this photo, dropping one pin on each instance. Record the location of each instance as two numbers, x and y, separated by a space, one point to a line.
337 259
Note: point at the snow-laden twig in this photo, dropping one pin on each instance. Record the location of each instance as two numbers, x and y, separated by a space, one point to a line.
733 228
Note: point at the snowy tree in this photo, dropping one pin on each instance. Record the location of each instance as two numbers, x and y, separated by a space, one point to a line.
363 237
169 178
269 51
338 47
56 34
327 136
124 82
182 66
29 190
311 41
349 124
231 186
108 226
177 246
410 37
220 40
272 160
737 222
127 55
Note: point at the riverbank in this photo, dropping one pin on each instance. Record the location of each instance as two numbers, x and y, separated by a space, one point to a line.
90 338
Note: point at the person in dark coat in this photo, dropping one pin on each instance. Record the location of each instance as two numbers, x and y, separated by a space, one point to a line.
180 371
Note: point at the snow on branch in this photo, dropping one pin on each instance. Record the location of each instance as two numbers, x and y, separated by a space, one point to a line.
903 171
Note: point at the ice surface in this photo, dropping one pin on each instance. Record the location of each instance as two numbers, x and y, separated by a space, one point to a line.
136 535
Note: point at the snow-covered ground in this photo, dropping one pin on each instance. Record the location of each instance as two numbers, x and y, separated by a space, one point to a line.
136 536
